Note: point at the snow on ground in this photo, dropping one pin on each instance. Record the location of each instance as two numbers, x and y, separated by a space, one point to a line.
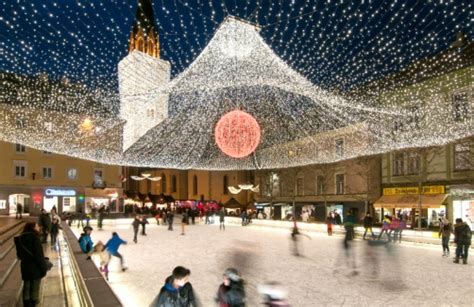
402 275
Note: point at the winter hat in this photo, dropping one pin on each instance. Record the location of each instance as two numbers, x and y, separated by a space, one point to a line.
87 228
232 274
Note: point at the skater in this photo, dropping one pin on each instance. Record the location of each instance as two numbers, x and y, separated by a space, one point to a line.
231 292
184 221
368 222
385 226
445 231
104 259
144 221
221 219
243 216
274 294
462 238
54 230
394 229
112 247
80 218
295 232
44 222
85 241
33 264
177 291
192 213
19 209
100 218
136 224
329 220
170 217
208 215
349 227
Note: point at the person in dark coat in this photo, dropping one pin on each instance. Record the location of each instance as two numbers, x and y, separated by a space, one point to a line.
221 219
177 291
170 217
462 238
184 221
19 209
368 223
144 221
231 292
44 222
55 229
101 216
136 225
33 264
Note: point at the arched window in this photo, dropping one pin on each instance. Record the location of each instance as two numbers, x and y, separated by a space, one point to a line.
195 185
163 183
140 44
174 187
225 183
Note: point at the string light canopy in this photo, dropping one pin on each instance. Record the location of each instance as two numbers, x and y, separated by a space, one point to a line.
144 176
323 80
244 187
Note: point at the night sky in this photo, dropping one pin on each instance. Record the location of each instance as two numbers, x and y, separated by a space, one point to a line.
335 44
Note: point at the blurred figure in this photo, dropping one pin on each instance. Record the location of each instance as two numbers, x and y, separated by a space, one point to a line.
170 217
349 223
184 221
44 222
243 216
329 220
143 222
112 247
385 226
55 227
136 225
295 233
231 292
221 219
85 241
368 223
445 231
19 209
462 238
394 229
100 217
177 291
274 294
104 255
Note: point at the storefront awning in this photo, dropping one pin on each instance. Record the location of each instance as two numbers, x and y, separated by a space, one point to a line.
103 193
411 201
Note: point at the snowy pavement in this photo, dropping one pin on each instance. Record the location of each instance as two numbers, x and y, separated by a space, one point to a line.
327 275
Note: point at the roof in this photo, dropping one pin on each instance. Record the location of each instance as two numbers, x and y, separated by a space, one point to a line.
144 19
232 203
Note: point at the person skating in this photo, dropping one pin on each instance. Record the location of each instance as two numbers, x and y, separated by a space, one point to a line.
170 218
144 221
274 294
177 291
208 216
445 232
100 217
222 219
368 223
85 241
231 292
136 225
19 209
104 259
349 223
55 230
44 222
462 238
184 221
329 220
385 226
33 264
112 247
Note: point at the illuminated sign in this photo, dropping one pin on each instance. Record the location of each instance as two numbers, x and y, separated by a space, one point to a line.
434 189
59 192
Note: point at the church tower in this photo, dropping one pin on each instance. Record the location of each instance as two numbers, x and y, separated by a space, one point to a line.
141 75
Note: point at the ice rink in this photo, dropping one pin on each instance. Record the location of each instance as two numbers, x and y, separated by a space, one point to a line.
326 274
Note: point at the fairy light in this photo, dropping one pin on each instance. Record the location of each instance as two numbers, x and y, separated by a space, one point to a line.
309 73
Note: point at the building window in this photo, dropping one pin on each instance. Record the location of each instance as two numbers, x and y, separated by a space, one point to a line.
20 148
72 174
320 185
195 185
300 186
47 172
339 148
174 185
98 178
398 164
225 185
413 163
463 156
340 184
461 106
163 183
19 169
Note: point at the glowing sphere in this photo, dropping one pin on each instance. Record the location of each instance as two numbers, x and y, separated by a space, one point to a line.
237 134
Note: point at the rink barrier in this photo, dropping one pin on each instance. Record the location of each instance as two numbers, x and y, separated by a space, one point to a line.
92 288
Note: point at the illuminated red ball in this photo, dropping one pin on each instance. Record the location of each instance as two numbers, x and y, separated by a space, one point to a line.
237 134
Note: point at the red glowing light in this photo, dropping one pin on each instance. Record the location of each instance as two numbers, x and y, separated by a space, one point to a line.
237 134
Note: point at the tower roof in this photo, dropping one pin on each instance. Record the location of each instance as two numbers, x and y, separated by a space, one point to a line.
144 18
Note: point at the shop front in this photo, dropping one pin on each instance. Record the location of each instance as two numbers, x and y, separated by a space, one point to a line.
63 199
463 203
425 209
109 198
11 196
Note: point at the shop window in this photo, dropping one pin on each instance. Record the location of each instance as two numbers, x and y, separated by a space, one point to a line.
340 184
195 185
20 148
461 106
339 148
320 185
413 163
19 169
47 172
98 178
398 164
463 156
225 185
163 183
174 185
72 174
